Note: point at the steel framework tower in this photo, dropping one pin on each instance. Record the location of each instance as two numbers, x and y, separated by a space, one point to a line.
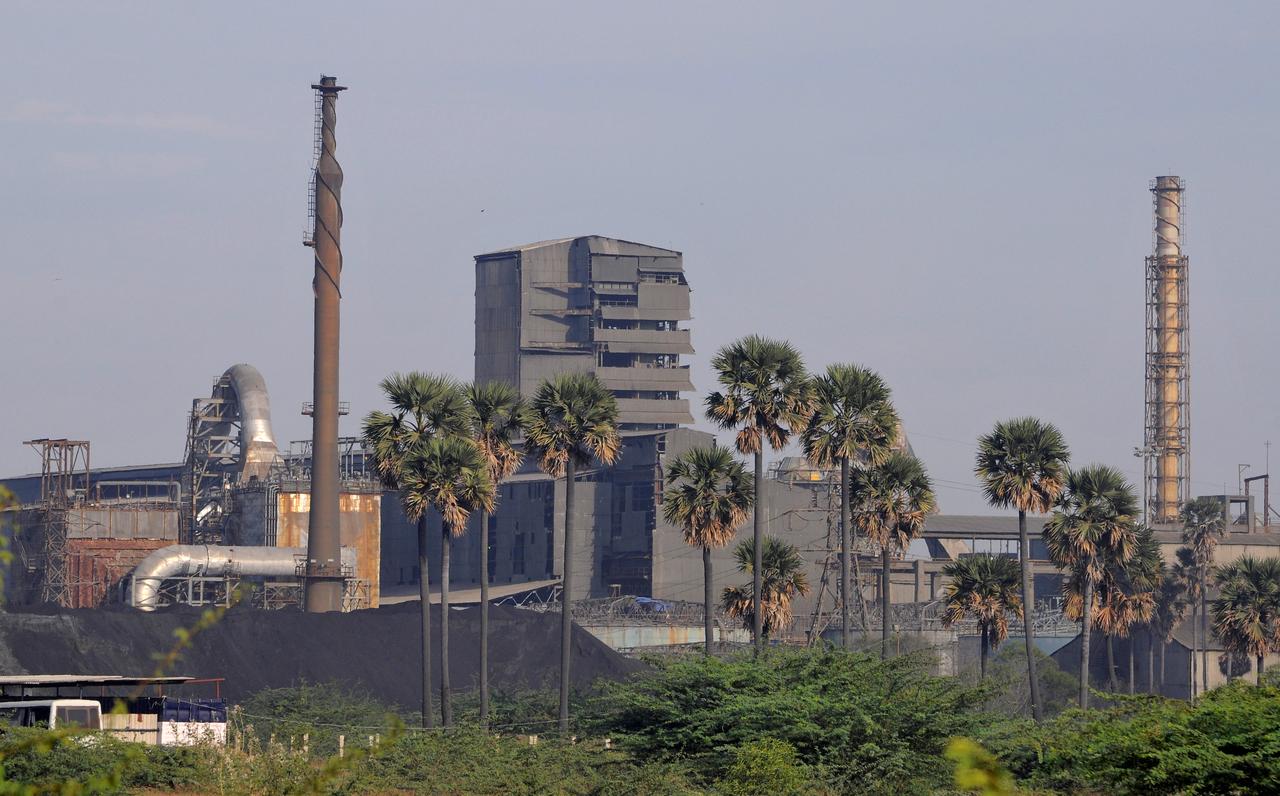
1168 368
62 461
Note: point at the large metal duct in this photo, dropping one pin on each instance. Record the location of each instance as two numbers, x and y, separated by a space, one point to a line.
258 447
186 560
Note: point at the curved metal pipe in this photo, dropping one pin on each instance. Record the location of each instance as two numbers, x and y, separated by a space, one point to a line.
258 447
183 560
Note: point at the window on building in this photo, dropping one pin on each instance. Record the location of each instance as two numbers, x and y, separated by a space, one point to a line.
642 496
517 555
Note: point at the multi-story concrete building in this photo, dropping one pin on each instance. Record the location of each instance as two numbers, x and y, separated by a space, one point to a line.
588 304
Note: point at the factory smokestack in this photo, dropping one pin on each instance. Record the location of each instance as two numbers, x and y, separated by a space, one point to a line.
1168 380
324 582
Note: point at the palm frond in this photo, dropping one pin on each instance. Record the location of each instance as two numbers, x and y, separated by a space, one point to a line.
1022 463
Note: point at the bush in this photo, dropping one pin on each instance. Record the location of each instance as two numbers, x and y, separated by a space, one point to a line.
868 724
320 712
1229 742
764 768
472 762
107 765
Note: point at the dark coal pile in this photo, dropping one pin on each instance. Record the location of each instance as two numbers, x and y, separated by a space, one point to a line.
377 650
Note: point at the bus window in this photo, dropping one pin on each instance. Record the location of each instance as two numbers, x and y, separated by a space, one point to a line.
24 716
77 716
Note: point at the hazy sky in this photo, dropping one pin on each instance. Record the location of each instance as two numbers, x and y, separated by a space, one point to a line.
952 193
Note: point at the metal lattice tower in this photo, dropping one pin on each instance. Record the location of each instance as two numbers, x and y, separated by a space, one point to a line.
61 462
1168 371
213 444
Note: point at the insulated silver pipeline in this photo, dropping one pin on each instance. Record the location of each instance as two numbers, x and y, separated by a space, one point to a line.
186 560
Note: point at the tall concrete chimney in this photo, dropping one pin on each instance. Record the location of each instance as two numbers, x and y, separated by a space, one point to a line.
324 582
1168 381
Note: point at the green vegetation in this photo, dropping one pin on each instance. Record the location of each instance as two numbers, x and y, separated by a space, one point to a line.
1093 528
862 725
1022 464
571 422
853 423
425 409
792 721
708 496
984 587
782 579
766 396
497 418
894 497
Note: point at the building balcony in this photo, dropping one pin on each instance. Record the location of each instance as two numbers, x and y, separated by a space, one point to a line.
651 410
644 341
642 378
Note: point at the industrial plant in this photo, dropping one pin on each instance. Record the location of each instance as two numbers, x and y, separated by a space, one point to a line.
308 524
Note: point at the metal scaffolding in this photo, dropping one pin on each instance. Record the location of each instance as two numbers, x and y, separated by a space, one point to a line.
61 462
1167 471
213 446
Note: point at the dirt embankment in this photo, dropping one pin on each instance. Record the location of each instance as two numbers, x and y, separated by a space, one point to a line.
377 650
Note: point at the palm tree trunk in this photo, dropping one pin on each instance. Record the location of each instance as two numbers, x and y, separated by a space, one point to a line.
1086 626
566 603
707 624
1259 670
1028 613
1112 684
986 641
846 519
1151 662
1195 645
1204 632
1132 638
484 619
1163 646
446 692
424 593
885 602
757 534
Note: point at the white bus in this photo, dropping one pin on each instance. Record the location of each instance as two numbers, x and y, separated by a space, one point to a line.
53 713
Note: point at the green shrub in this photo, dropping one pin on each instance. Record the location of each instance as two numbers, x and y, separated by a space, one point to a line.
472 762
106 764
1229 742
867 723
766 767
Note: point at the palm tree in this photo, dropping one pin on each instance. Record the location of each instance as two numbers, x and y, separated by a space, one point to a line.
781 580
1186 573
450 475
423 406
497 414
708 496
853 421
1126 597
765 395
985 587
1246 615
1203 524
895 497
1170 609
1093 525
571 421
1022 463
